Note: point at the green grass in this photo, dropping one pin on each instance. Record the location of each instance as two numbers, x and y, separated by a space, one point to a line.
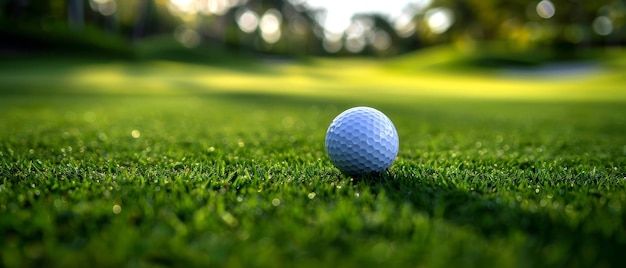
229 167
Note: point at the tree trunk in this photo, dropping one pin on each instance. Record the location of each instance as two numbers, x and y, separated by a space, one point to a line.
141 23
75 14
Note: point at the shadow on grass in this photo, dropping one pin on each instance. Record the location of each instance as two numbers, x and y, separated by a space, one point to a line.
549 238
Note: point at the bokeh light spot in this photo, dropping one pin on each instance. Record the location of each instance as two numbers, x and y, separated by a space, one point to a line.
332 45
298 25
248 21
218 7
270 26
404 25
602 25
439 19
356 29
382 41
183 6
545 9
355 44
135 134
187 37
104 7
117 209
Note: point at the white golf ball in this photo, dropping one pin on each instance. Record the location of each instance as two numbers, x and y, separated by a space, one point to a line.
362 140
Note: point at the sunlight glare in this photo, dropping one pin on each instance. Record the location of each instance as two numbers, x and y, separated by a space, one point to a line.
335 22
183 6
439 19
218 7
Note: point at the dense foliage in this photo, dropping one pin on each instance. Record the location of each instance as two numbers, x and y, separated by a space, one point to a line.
511 26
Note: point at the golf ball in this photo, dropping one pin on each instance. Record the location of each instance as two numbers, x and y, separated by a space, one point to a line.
362 140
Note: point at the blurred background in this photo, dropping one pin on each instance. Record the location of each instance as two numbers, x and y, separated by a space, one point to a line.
535 31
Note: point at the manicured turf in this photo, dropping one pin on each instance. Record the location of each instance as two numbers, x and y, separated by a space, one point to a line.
172 164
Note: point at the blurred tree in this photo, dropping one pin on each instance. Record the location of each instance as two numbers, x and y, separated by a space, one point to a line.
508 25
293 27
382 38
24 10
300 28
522 24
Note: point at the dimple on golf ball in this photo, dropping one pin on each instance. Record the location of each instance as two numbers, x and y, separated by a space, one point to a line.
362 140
